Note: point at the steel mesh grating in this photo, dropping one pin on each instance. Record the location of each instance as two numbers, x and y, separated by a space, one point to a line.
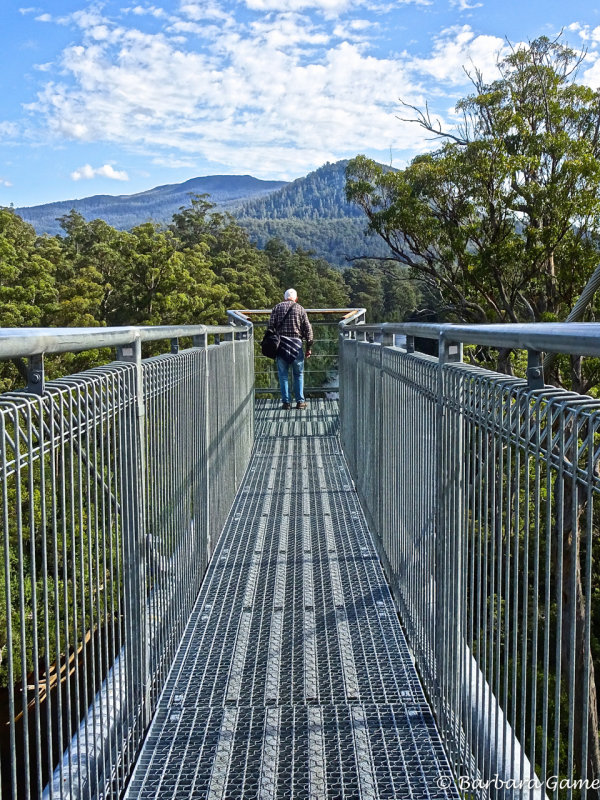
293 677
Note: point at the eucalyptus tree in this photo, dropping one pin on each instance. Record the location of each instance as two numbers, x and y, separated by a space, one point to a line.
502 220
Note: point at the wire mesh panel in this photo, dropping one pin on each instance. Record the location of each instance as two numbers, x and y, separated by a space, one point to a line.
483 493
523 529
114 486
69 500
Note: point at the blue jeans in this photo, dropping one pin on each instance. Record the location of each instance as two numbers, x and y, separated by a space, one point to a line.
298 376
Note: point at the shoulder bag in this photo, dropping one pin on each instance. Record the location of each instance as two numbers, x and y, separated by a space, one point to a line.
270 343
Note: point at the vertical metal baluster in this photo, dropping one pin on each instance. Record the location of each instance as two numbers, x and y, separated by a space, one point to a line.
21 603
516 516
508 536
559 593
591 428
42 410
102 576
8 592
550 419
525 575
574 546
125 397
33 575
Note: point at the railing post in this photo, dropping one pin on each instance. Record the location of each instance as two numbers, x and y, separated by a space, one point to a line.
535 370
35 375
448 588
201 341
208 452
387 340
133 455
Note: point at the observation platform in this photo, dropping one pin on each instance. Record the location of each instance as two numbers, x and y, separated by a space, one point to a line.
293 678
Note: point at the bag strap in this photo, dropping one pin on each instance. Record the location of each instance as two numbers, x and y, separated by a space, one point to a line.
284 318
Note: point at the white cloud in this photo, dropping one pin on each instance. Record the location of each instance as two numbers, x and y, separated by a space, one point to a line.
330 8
206 10
106 171
185 26
8 130
152 11
326 6
4 182
44 18
275 94
30 10
174 162
463 5
589 35
591 76
459 48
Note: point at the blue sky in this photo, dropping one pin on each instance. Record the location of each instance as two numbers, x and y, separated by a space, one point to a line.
114 98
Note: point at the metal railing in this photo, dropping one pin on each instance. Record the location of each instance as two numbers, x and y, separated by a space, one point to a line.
115 483
483 493
321 372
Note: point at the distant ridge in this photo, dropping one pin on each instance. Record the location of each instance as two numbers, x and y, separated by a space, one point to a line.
310 213
155 205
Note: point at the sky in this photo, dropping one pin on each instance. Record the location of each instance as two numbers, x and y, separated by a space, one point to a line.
116 98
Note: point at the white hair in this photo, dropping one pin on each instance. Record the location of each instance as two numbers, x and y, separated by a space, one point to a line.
291 294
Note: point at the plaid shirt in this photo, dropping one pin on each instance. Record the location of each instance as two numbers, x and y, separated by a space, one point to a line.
296 324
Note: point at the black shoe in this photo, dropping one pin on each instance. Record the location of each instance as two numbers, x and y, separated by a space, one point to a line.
300 405
286 406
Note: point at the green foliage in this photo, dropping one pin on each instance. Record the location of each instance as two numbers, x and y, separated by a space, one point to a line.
317 283
502 220
385 289
318 195
336 240
27 280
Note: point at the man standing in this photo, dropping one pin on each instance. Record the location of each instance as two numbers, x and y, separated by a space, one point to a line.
291 320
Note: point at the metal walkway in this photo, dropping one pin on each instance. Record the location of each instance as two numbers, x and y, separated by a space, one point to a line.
293 678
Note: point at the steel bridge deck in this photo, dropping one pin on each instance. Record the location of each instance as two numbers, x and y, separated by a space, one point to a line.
293 678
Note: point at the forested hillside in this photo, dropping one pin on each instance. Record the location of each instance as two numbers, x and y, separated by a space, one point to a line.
313 213
319 195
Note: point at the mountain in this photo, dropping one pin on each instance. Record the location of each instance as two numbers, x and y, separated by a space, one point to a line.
157 205
310 213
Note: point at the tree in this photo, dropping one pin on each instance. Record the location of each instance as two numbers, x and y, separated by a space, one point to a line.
27 281
27 286
384 289
235 260
318 284
503 219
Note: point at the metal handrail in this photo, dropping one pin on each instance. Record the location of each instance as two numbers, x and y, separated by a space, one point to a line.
575 338
25 342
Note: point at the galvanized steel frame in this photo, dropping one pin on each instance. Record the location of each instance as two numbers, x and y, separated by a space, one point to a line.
473 482
115 484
